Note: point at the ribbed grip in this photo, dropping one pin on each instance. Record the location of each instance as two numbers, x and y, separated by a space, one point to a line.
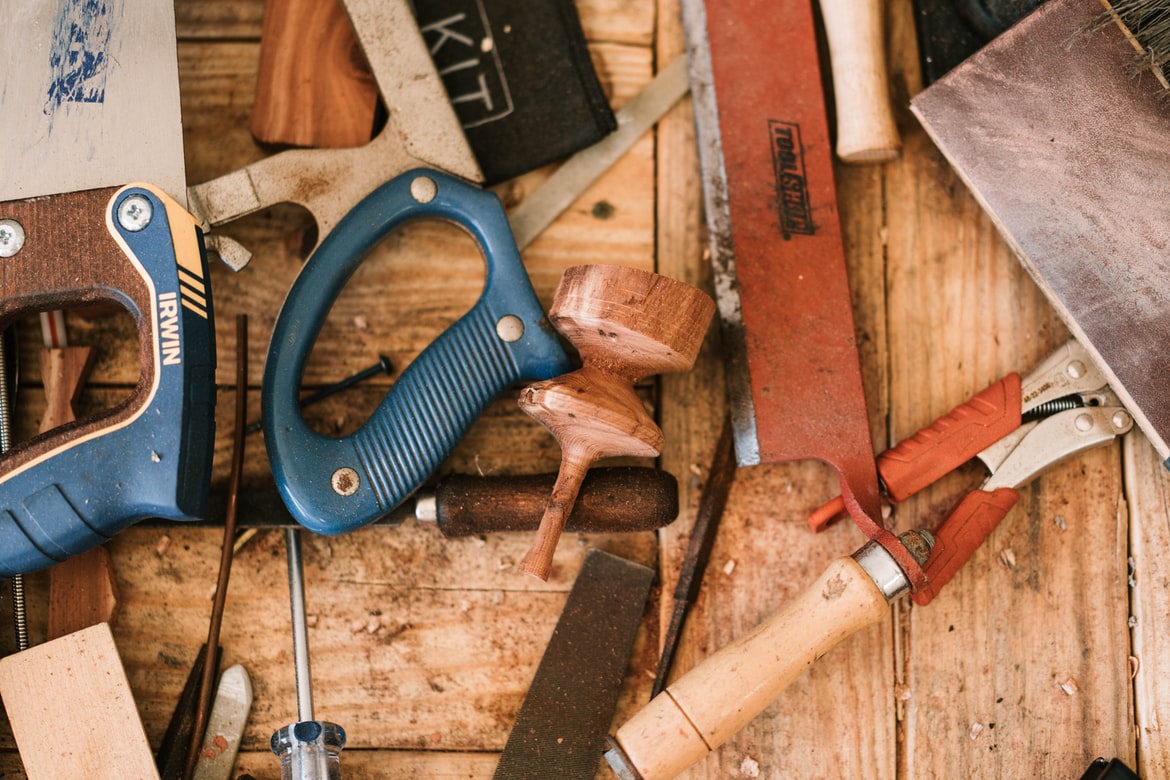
333 485
951 441
432 405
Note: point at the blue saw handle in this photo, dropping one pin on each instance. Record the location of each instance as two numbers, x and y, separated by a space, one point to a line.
72 488
332 485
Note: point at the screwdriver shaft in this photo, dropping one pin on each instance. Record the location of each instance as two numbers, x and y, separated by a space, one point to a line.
300 631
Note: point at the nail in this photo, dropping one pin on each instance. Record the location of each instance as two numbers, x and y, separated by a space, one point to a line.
383 366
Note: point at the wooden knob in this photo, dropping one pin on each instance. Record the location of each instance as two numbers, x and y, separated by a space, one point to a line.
626 324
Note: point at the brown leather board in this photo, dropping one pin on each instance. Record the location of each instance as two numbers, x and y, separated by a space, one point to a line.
1067 153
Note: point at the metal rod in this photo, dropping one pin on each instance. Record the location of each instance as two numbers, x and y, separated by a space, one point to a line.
296 594
211 665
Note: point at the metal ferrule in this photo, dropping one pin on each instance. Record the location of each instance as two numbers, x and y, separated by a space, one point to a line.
619 762
885 572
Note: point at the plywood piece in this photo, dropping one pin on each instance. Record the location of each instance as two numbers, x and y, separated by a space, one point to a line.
72 711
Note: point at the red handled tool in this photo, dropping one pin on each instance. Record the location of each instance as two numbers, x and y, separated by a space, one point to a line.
1017 427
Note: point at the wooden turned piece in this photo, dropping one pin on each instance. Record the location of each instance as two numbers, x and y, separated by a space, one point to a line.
626 324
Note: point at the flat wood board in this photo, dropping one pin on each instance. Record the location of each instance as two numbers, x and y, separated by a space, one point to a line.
1066 151
72 711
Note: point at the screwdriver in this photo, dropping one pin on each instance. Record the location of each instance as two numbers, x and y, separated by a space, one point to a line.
309 749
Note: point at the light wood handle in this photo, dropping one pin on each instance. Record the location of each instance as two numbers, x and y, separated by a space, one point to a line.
866 132
710 703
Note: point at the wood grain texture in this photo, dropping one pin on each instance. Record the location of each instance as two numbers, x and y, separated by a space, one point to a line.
1148 494
72 710
314 87
423 646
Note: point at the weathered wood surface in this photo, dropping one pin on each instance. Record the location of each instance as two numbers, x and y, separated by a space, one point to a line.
423 647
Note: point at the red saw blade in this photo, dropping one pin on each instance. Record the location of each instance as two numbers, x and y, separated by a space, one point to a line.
793 371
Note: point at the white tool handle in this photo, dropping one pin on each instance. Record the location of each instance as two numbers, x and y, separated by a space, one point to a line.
710 703
866 132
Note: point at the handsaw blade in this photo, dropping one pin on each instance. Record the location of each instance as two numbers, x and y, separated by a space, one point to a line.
1065 150
90 97
793 371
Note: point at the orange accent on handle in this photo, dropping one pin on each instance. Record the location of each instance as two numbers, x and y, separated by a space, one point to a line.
826 514
951 441
960 535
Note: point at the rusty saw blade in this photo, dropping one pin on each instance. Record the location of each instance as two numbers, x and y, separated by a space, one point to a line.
793 372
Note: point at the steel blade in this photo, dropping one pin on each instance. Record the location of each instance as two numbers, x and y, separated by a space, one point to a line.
90 97
1065 150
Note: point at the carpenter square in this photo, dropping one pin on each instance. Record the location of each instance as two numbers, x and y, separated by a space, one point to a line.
793 371
560 731
90 98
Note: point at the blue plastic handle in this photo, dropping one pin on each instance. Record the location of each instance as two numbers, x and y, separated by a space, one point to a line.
332 485
72 489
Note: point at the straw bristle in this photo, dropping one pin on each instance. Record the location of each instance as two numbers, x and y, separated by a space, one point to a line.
1147 25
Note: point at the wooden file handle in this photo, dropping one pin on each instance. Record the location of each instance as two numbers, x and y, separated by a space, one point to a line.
706 706
866 132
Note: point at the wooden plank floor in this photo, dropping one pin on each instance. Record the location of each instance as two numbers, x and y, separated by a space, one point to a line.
1046 651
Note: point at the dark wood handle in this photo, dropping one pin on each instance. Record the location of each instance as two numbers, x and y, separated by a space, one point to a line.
613 499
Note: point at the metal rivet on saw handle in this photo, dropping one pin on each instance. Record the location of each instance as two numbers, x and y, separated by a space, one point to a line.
345 481
11 237
135 213
423 189
510 328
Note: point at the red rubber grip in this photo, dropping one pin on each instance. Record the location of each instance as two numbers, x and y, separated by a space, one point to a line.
951 441
960 535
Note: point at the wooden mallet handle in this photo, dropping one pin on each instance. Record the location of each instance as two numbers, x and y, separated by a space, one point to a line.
866 131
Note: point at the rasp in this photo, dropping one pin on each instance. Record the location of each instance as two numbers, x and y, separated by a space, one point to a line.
560 731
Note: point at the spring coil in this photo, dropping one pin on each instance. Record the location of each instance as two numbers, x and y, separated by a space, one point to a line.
1055 406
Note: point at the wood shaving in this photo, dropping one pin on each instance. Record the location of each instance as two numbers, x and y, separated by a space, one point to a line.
1069 686
1008 558
974 732
728 568
749 767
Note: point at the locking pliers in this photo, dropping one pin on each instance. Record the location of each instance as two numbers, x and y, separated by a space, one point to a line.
1017 428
